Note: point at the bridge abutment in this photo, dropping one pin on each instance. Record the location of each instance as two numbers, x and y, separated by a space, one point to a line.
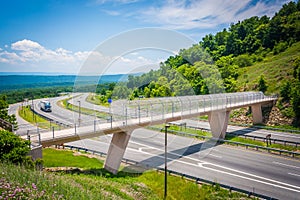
257 114
116 151
218 122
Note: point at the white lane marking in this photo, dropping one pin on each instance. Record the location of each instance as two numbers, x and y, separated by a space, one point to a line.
292 166
256 176
255 180
294 174
241 172
213 155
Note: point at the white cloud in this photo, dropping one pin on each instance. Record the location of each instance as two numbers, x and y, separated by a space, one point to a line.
112 12
30 53
191 14
116 1
26 45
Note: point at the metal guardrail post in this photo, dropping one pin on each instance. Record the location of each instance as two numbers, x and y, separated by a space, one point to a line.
163 111
40 141
139 109
28 138
126 115
37 128
94 125
53 132
172 109
111 118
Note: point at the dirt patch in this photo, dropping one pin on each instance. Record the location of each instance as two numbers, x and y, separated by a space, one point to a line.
271 116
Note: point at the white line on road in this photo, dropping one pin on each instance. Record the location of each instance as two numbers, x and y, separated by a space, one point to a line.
232 174
278 163
200 164
294 174
255 180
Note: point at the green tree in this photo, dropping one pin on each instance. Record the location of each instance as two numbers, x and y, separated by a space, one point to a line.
121 92
285 91
13 148
295 100
262 85
4 112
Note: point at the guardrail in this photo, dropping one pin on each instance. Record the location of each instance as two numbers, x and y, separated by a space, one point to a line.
197 180
275 141
265 127
7 126
256 147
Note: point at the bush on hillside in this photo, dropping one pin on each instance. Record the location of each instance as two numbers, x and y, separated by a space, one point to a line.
13 148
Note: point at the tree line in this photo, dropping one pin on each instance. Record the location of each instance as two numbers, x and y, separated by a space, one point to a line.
211 66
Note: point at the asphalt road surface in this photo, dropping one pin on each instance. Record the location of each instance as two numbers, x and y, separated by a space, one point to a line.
263 173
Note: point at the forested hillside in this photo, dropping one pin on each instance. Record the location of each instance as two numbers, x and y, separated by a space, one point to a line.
259 53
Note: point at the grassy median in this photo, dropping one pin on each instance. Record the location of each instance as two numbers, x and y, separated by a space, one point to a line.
26 113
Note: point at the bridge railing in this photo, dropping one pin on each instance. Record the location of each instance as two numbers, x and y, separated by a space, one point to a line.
124 112
185 105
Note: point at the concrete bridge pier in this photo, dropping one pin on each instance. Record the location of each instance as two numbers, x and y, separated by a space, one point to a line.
257 114
218 122
116 151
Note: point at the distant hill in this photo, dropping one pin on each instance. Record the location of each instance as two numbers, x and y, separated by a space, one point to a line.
14 82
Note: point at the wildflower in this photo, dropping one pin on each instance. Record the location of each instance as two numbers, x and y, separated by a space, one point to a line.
34 186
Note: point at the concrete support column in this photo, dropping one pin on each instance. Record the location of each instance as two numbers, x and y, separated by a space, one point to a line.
218 122
257 114
116 151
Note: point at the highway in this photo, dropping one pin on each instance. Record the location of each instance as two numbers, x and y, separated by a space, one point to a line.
262 173
275 176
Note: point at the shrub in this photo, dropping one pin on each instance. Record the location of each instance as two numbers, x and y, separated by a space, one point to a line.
280 47
243 60
13 148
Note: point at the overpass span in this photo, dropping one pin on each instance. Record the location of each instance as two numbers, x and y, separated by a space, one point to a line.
129 115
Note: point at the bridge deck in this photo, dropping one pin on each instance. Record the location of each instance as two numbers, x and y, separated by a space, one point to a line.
130 115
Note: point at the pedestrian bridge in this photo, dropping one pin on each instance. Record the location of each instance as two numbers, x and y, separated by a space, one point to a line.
125 116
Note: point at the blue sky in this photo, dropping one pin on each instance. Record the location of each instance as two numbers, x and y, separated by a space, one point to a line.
58 35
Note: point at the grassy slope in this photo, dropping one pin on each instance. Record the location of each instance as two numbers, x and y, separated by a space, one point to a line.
275 68
93 182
